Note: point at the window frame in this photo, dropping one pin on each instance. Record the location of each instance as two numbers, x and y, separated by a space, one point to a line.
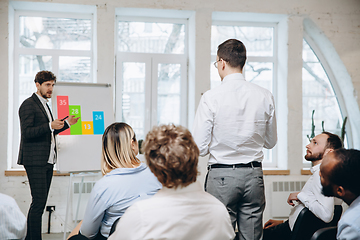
14 122
335 87
151 61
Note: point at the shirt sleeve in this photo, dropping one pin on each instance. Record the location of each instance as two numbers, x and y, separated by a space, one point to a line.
203 125
317 203
27 122
129 226
94 214
347 232
271 128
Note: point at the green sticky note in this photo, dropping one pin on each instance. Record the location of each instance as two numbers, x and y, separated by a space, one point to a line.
75 129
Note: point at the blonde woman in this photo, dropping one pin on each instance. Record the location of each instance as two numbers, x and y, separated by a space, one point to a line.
126 180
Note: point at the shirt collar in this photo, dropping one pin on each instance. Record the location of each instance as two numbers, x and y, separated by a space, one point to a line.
355 202
42 100
315 168
234 76
123 171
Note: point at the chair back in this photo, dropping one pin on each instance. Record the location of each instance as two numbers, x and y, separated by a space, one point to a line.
337 215
328 233
113 227
307 223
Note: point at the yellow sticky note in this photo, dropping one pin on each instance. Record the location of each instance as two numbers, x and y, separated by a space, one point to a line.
87 127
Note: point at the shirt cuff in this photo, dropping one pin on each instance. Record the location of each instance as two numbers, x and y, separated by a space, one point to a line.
302 197
50 127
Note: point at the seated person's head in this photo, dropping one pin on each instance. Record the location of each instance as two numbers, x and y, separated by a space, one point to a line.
322 144
340 174
172 155
119 147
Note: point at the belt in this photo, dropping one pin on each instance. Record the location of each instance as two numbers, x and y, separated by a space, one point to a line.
239 165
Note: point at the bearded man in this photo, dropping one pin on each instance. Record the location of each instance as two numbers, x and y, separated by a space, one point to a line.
310 196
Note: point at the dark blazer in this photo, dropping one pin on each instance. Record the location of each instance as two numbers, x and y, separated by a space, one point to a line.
35 133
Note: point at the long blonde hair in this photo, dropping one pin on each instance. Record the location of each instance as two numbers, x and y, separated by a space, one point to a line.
117 151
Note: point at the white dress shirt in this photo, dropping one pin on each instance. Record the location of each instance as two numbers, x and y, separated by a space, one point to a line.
12 220
234 121
312 198
183 213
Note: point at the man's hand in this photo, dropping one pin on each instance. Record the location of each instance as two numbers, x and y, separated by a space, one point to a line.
57 124
292 197
72 120
272 223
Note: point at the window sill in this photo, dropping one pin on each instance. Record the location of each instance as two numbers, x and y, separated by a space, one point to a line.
276 172
9 173
306 172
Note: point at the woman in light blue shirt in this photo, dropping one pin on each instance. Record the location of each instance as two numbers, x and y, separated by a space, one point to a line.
126 180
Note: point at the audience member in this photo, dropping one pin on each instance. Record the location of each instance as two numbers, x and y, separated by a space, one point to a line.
310 196
340 177
12 220
126 180
233 123
181 209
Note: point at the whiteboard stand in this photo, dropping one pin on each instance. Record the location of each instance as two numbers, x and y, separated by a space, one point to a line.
82 175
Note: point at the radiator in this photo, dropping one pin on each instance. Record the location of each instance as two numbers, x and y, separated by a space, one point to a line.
85 195
279 195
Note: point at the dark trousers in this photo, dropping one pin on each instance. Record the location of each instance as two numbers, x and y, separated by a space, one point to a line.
279 232
39 181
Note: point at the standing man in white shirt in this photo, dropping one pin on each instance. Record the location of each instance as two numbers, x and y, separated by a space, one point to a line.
233 123
310 196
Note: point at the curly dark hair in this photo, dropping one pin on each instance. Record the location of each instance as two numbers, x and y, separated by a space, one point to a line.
346 172
172 155
44 76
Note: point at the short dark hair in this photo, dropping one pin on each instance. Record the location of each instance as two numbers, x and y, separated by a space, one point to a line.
172 155
233 52
333 141
44 76
346 172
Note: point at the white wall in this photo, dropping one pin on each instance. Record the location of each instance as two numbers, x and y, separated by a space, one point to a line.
338 19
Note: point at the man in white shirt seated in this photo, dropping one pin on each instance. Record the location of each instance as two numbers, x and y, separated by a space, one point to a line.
340 178
12 220
310 196
181 209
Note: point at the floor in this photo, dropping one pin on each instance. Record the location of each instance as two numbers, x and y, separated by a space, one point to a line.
53 236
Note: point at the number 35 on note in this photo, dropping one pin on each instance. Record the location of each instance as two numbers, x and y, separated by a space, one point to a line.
87 127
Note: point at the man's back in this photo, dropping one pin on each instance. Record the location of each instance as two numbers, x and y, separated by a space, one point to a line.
243 116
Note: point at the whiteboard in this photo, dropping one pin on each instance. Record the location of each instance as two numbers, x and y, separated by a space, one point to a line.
81 153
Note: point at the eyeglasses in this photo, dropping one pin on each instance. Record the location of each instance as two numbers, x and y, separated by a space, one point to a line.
216 63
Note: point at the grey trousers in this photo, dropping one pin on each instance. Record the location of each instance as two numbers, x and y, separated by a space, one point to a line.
241 190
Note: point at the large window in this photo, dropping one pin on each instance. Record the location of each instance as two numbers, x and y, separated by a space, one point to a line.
318 97
260 68
151 72
61 43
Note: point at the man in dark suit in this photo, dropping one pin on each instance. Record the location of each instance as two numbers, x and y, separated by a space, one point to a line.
38 147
